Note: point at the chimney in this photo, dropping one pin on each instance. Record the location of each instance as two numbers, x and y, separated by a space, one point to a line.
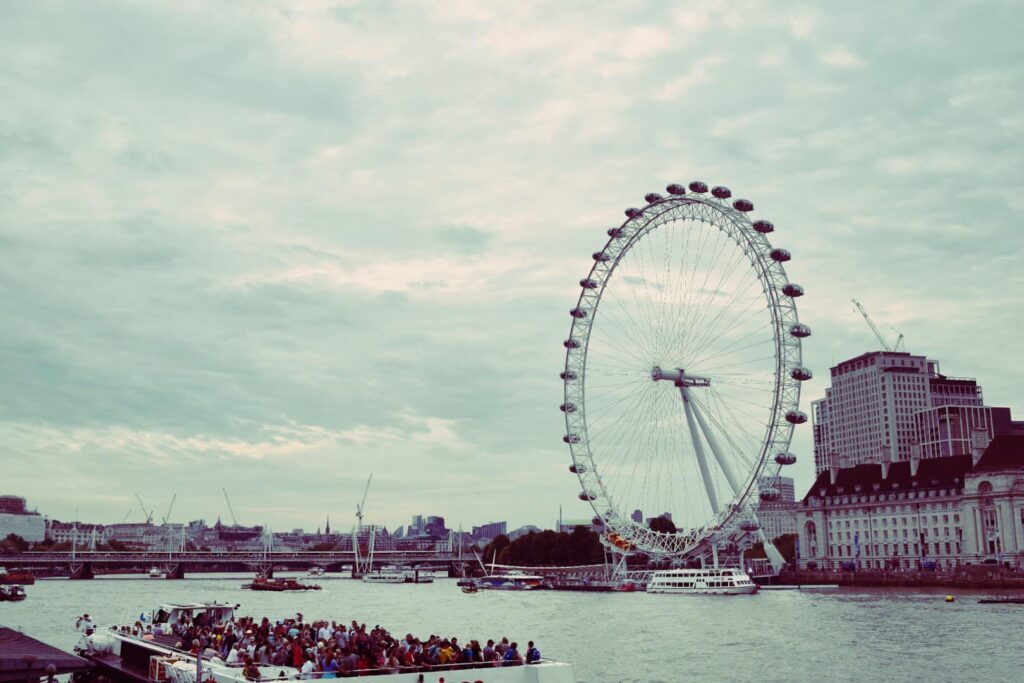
833 468
915 459
979 442
885 469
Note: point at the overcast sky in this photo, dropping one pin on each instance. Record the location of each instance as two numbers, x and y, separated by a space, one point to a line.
274 247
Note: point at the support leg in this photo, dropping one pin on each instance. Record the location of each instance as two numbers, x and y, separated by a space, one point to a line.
698 449
723 462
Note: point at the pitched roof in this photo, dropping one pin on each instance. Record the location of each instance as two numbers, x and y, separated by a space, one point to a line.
23 657
1006 452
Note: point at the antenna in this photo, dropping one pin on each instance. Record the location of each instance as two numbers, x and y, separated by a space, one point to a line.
898 346
230 509
145 512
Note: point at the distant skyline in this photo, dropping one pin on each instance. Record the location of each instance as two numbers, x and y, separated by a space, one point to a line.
277 247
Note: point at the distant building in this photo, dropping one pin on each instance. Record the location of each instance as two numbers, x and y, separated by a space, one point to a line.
16 519
637 516
778 517
522 531
416 526
889 406
568 526
490 530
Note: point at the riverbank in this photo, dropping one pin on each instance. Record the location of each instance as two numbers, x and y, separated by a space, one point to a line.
970 576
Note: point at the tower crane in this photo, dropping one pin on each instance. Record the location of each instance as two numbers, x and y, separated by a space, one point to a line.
169 508
147 513
230 509
361 504
898 346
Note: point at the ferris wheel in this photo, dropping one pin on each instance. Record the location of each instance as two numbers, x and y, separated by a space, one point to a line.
682 372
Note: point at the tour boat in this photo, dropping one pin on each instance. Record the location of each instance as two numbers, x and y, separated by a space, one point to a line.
385 575
261 583
12 593
513 581
123 657
719 581
155 573
315 571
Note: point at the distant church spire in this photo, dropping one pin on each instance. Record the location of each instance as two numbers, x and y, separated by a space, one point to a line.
328 525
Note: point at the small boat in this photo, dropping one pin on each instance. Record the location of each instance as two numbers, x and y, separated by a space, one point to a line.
1001 601
12 593
470 588
416 576
385 575
714 581
261 583
315 571
513 581
155 573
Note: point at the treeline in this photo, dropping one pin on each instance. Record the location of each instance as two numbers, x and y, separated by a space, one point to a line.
546 549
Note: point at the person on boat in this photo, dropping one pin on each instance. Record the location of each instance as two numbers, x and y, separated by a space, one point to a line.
512 657
489 653
250 670
84 624
234 657
532 653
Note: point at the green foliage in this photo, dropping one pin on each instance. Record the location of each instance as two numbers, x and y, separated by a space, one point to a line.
663 524
546 549
14 543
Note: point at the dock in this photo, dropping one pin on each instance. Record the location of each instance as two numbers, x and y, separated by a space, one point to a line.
23 658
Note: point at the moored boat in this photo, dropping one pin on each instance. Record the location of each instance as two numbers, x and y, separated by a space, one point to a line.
714 581
21 578
315 571
155 573
513 581
384 575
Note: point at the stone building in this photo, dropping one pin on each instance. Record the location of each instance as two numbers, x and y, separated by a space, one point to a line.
918 513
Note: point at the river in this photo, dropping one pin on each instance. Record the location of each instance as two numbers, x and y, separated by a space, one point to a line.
844 635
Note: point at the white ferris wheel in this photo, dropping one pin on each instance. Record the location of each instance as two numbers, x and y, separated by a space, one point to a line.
682 372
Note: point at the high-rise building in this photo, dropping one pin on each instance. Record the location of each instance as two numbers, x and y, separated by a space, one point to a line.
889 406
416 526
491 530
16 519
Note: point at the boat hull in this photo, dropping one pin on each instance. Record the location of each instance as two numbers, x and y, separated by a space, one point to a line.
730 590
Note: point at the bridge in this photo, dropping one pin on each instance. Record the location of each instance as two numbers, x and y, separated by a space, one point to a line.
82 563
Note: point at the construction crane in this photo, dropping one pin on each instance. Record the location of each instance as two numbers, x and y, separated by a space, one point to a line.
230 509
361 504
147 513
898 346
169 508
126 516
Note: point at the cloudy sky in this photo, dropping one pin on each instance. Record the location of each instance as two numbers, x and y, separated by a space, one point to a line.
274 247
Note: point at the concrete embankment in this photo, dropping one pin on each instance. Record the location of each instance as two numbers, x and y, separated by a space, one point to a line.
978 576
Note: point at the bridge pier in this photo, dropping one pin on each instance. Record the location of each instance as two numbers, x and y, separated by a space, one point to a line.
265 570
175 571
82 570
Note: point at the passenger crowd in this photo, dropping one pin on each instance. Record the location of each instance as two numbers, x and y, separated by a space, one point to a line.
327 649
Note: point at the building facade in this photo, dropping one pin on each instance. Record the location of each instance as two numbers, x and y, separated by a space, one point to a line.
16 519
933 513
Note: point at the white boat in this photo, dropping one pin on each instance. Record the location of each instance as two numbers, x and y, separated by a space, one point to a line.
122 655
385 575
715 581
155 573
513 581
417 576
315 571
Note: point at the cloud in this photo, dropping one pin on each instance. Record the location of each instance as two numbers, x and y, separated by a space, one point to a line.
290 244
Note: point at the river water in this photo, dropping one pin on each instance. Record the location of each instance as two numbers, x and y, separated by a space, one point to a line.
845 635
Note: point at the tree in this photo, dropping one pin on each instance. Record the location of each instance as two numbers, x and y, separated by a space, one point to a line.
14 543
663 524
493 549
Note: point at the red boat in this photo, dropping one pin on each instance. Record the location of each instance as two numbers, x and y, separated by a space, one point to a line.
20 578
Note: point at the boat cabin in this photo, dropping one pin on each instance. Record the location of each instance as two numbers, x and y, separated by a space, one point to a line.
206 613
